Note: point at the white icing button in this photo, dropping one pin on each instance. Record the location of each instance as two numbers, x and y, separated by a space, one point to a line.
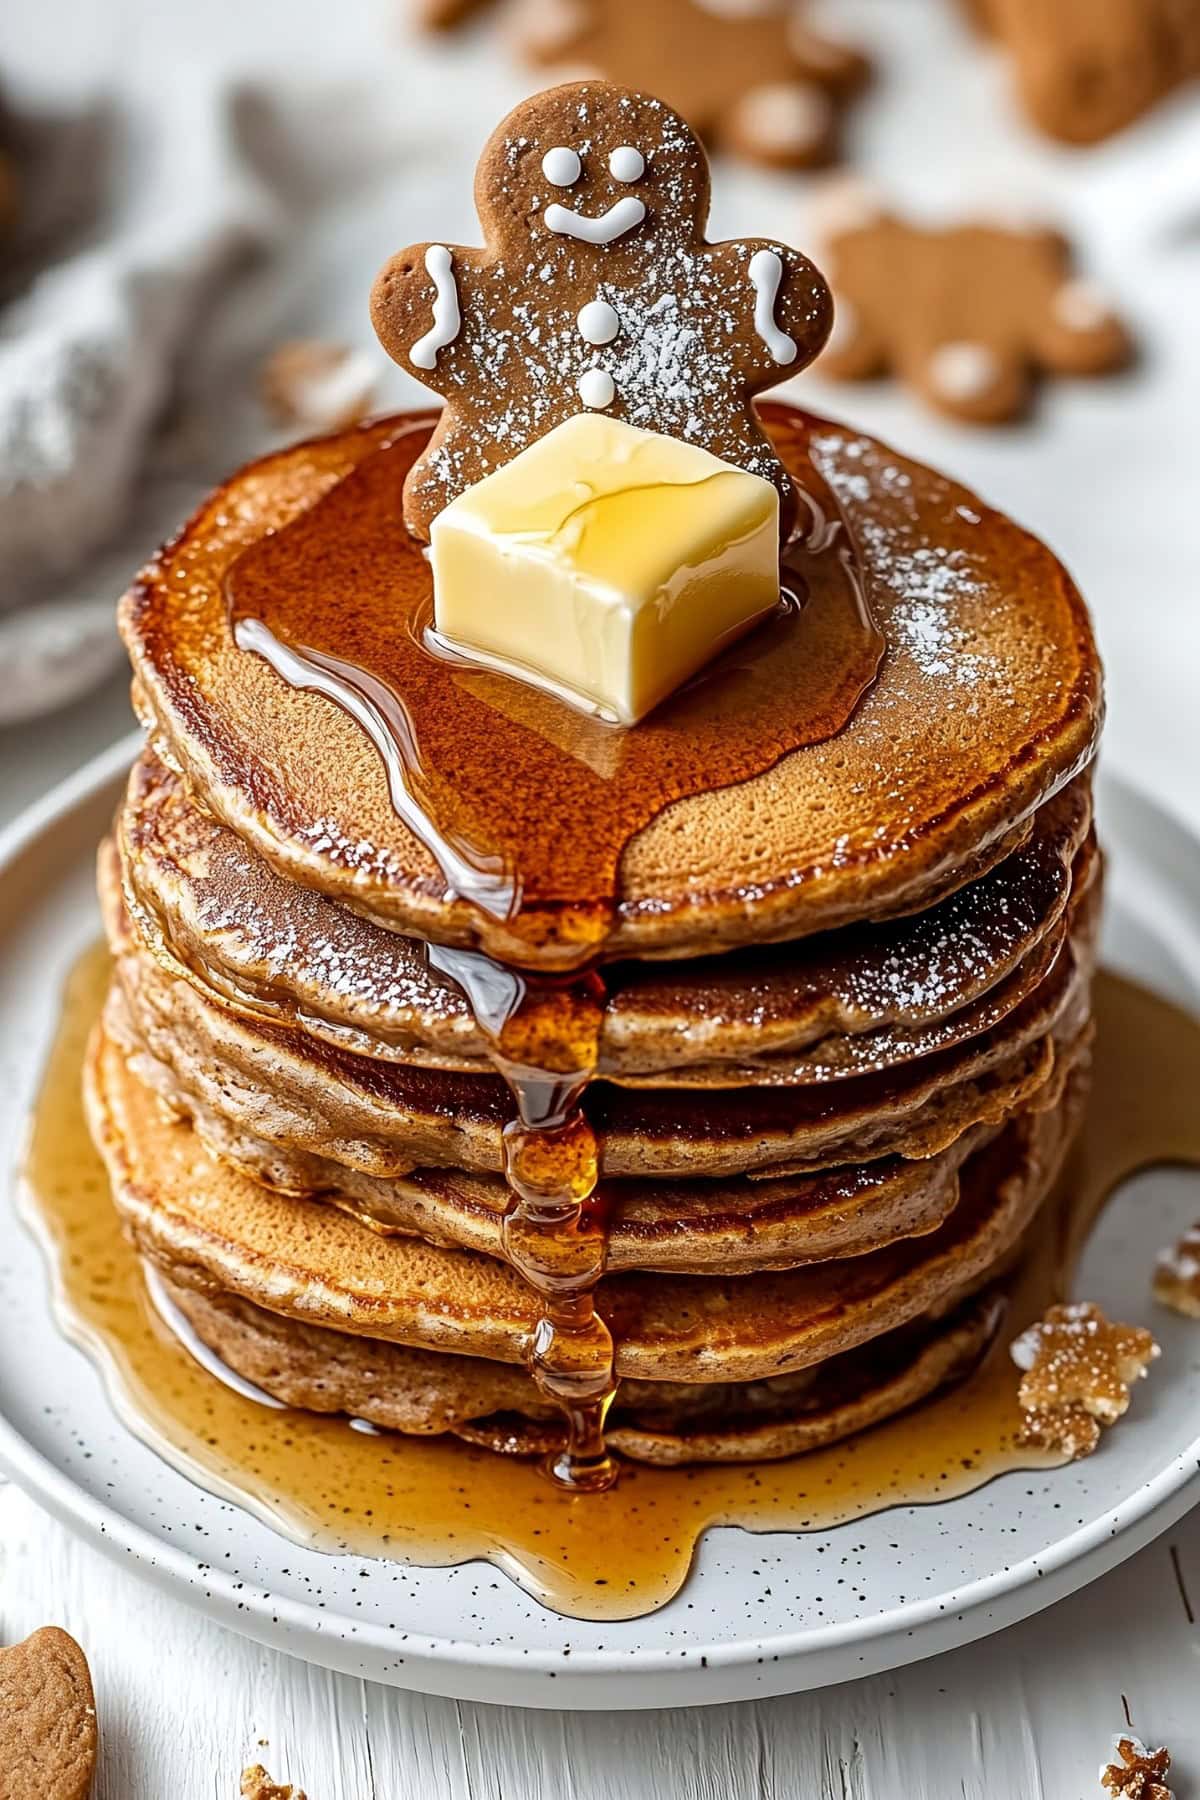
963 370
561 166
598 322
1081 306
597 389
626 164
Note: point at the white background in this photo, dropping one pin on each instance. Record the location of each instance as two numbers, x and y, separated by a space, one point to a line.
1106 471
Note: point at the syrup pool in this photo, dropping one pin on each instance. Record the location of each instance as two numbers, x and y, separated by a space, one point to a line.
608 1555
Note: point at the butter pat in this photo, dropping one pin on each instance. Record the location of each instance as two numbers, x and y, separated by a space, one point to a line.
606 563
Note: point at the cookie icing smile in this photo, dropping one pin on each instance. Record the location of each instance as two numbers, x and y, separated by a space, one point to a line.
622 216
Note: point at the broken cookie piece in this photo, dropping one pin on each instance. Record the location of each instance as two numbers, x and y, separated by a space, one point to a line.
48 1731
256 1784
1177 1275
1078 1368
1134 1772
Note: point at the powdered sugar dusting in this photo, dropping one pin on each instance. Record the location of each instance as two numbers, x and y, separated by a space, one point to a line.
686 352
929 580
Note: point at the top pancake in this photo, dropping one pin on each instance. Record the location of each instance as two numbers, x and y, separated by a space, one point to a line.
987 701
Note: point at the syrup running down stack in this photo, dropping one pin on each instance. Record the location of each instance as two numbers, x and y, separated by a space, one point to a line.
683 1091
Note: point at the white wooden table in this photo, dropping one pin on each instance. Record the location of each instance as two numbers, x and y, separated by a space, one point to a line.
184 1706
1027 1715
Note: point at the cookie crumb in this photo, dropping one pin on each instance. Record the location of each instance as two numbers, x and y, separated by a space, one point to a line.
257 1785
323 386
1177 1275
48 1734
1134 1772
1077 1371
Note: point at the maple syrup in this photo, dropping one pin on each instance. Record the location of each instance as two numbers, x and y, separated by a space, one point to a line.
606 1555
525 801
544 1036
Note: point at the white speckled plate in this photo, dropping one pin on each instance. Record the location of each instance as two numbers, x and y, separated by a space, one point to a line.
918 1579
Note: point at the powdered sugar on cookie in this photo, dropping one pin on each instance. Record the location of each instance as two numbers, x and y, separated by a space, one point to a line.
595 289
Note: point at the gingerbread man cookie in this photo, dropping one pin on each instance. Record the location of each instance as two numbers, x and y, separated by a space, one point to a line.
47 1719
596 289
966 315
1087 68
748 75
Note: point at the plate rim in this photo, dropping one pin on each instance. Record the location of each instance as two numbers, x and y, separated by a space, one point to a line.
1152 1507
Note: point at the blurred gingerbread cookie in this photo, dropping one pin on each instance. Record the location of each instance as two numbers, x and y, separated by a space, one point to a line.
9 189
1086 68
442 15
749 76
968 315
595 290
47 1719
313 383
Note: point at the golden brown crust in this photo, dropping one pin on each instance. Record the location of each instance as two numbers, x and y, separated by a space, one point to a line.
420 1392
220 1231
212 912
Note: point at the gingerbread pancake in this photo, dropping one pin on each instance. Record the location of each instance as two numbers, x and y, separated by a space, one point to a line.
209 1227
392 1117
398 1388
389 1119
211 910
564 839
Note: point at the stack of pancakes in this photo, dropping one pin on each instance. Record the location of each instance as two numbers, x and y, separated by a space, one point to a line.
844 1047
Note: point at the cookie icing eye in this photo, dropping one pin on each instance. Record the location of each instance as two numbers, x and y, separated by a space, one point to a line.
626 163
561 166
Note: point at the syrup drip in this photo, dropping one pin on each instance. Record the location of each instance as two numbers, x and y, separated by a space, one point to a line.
625 1552
545 1040
522 800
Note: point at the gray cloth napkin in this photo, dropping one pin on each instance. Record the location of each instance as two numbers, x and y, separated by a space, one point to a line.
135 220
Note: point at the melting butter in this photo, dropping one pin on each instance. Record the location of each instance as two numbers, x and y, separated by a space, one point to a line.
606 563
